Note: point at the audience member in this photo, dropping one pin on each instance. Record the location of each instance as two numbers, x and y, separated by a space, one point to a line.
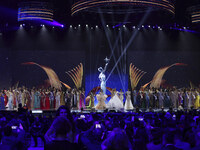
62 128
116 140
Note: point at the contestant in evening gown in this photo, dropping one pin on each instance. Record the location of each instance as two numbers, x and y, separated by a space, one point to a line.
128 103
115 102
101 97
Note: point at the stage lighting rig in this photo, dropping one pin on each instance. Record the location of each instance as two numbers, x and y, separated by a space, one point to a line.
194 12
32 11
122 6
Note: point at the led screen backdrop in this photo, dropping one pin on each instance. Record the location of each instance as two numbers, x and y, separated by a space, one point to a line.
64 49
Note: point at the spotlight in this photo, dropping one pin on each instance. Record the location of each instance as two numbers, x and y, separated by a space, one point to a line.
20 25
184 27
133 27
42 25
79 25
142 26
124 26
91 27
53 27
149 26
74 27
160 29
96 26
86 25
138 28
107 26
153 27
62 26
70 26
23 25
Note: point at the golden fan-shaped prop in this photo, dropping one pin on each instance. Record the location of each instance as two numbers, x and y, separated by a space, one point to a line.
135 75
76 75
53 78
157 79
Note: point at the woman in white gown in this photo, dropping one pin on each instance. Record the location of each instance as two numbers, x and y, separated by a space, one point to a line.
115 102
101 97
128 103
10 100
58 93
121 96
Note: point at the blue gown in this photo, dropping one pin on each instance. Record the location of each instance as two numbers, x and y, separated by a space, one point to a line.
2 104
37 100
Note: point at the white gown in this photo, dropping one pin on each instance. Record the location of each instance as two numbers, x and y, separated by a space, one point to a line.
58 100
115 103
10 101
121 96
128 103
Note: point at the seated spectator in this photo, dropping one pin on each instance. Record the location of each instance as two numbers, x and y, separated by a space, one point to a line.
11 140
21 110
168 141
197 138
37 131
92 138
62 111
140 136
116 140
62 128
179 143
156 143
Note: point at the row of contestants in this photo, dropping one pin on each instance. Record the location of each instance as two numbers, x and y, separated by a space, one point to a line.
41 98
116 101
52 99
151 98
165 98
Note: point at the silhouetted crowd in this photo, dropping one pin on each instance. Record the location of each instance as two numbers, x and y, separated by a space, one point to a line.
102 131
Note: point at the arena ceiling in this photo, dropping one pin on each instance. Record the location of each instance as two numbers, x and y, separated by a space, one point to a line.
62 14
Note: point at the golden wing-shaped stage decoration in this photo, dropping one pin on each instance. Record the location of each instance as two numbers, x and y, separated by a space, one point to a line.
144 86
76 75
67 86
157 79
53 78
135 75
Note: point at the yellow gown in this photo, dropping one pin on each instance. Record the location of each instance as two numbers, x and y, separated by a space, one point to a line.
196 104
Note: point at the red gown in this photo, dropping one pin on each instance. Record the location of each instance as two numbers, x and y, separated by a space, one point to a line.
6 99
42 101
47 101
